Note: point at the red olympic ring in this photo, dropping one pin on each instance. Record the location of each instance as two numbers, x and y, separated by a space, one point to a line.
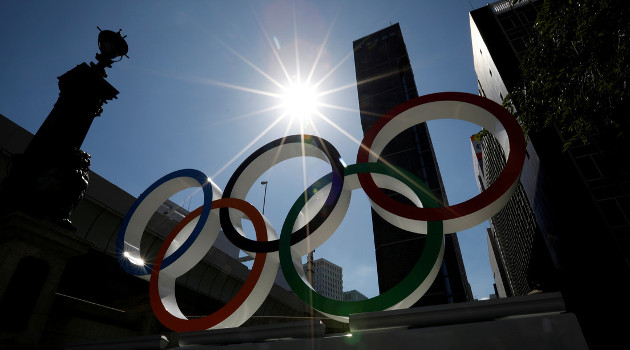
221 316
475 210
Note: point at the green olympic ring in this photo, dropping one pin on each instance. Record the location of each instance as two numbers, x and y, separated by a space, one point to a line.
402 295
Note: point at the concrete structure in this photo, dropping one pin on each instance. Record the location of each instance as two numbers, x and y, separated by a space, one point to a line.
577 198
327 279
80 293
384 80
530 322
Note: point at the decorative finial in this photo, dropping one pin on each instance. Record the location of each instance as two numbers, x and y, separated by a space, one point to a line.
112 46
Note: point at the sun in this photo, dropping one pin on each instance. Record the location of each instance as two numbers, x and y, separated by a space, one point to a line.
298 98
299 101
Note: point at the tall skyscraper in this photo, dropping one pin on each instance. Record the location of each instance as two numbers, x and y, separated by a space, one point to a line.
385 80
580 207
520 259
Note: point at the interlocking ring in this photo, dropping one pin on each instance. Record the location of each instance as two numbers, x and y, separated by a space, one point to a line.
137 218
447 105
402 295
262 160
246 301
330 196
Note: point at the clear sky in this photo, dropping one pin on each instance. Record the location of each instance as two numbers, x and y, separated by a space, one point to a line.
200 90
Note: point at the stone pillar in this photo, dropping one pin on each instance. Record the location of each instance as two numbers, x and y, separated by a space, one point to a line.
49 246
51 177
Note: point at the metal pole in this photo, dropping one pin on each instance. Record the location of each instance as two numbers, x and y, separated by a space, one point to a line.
265 196
309 267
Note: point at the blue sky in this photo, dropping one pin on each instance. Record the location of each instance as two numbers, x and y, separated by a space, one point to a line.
197 90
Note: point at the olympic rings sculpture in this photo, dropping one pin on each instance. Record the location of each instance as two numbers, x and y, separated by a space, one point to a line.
302 232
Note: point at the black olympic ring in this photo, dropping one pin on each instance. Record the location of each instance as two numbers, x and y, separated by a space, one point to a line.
318 147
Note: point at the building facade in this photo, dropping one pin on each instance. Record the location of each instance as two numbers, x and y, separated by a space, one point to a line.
327 278
519 258
353 295
576 195
384 80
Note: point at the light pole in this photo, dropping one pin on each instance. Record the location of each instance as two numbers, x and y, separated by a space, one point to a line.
265 196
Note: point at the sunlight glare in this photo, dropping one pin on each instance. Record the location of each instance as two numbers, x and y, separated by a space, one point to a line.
299 101
133 260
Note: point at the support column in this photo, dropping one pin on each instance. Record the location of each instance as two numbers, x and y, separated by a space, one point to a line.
33 255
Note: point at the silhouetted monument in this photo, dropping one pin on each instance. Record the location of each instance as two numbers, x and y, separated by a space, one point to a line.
51 176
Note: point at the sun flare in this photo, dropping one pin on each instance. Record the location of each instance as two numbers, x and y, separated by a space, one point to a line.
299 101
299 98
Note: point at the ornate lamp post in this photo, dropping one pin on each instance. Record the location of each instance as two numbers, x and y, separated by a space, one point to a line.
51 176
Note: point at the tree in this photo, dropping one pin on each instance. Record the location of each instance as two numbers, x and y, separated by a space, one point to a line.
575 75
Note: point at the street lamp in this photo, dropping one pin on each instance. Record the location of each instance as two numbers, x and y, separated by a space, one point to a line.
265 196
